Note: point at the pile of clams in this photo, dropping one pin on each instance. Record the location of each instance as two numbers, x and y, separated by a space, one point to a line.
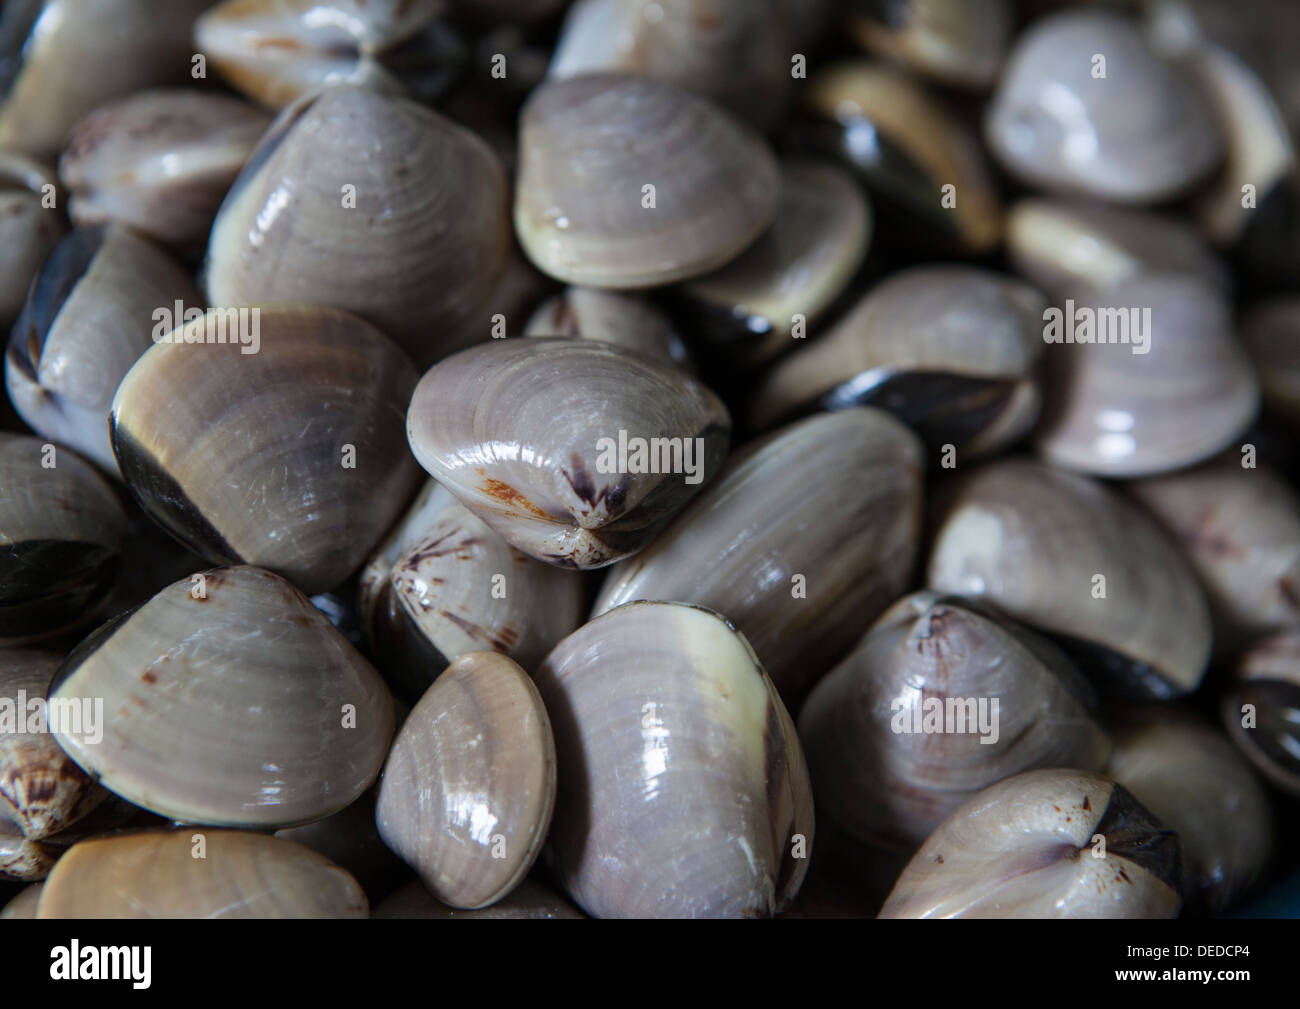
612 458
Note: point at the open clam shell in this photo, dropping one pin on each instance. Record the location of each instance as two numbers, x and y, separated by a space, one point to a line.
469 787
629 183
1069 556
229 699
303 471
29 230
1262 708
575 451
682 786
936 702
799 591
958 42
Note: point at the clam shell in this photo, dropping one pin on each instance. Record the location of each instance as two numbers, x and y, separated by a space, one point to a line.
369 203
1023 849
612 317
23 859
888 771
1116 410
264 478
682 787
519 431
1270 332
1262 708
799 591
1031 541
24 905
959 42
158 875
28 231
528 900
588 147
469 787
230 700
1140 134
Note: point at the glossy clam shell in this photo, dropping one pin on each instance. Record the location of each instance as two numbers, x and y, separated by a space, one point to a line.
513 429
1194 780
1113 412
418 254
906 145
244 707
156 875
799 266
262 478
888 784
630 321
682 786
469 787
1029 540
587 147
959 42
41 790
952 350
1023 849
1267 678
1142 134
1240 528
742 546
61 532
528 900
1270 332
734 52
160 161
86 322
28 231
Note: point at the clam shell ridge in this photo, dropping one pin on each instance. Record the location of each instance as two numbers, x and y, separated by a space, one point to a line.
229 699
526 434
682 787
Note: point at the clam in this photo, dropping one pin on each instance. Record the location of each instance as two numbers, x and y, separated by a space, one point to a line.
787 280
798 590
529 899
627 183
198 874
612 317
1270 332
1085 105
1195 782
61 530
939 700
575 451
160 161
23 859
24 905
958 42
682 787
1144 378
1069 556
1262 708
303 471
951 350
925 170
41 790
231 700
60 63
469 787
98 815
369 203
1044 844
734 52
87 320
1240 528
29 229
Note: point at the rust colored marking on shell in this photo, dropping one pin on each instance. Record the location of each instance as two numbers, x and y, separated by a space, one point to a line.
1087 803
289 43
507 494
475 631
149 676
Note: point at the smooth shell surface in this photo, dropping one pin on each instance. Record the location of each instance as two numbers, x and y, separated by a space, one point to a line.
588 149
303 471
229 699
1271 334
628 320
528 900
959 42
682 786
1262 708
1069 556
469 787
29 230
803 538
156 875
1023 849
526 433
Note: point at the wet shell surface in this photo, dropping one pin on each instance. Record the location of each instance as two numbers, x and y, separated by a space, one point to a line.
527 434
1069 556
229 699
28 230
957 42
629 183
1261 708
798 590
628 320
158 875
469 787
529 899
682 787
303 471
